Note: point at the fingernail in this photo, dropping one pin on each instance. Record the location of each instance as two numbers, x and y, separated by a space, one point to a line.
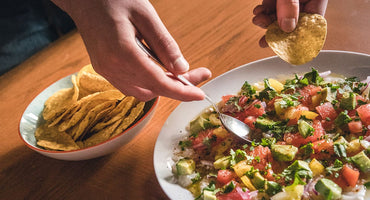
288 24
181 65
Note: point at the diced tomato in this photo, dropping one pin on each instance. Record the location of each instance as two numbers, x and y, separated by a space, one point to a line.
250 121
355 126
243 100
270 105
237 194
262 156
352 113
198 142
297 139
226 98
323 149
340 181
269 175
326 110
364 113
359 98
307 93
255 109
350 175
225 176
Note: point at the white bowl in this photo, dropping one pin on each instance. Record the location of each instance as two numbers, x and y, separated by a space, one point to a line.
33 115
174 129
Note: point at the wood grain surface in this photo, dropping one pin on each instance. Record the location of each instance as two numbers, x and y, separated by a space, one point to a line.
217 34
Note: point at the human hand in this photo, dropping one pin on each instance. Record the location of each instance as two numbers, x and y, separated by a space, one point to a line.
108 29
286 12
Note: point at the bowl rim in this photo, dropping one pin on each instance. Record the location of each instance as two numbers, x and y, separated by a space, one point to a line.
153 102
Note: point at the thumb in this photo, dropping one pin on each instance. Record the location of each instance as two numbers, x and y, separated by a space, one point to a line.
287 14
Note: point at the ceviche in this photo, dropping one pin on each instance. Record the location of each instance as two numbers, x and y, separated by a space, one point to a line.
310 140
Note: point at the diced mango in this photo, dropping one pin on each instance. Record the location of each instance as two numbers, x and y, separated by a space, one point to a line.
316 167
295 192
241 168
247 182
220 132
220 148
277 85
309 114
259 86
354 147
316 99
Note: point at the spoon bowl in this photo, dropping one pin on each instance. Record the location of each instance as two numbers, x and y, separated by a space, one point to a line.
231 124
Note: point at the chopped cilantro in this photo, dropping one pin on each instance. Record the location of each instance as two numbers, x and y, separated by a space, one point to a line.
185 143
335 168
237 156
268 93
230 187
247 89
313 77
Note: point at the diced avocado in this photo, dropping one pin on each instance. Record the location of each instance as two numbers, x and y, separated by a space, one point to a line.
328 95
342 119
341 140
265 124
258 181
208 195
273 188
283 152
185 166
203 122
361 161
222 163
305 128
197 125
348 101
214 120
328 189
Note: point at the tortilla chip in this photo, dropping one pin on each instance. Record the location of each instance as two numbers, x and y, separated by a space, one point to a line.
117 113
102 135
303 44
90 118
131 118
90 82
51 138
57 103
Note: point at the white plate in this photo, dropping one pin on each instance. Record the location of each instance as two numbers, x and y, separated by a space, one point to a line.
340 62
32 117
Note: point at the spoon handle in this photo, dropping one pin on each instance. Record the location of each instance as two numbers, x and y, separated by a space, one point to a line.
182 79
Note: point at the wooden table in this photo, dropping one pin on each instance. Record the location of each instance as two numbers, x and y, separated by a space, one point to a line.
218 34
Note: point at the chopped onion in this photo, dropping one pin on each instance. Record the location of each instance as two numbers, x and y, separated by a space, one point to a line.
185 180
310 191
366 88
358 193
325 74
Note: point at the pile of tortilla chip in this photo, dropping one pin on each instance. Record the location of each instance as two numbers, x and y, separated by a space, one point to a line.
89 113
301 45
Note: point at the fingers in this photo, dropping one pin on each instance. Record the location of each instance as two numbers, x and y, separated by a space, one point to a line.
179 91
159 39
263 20
287 12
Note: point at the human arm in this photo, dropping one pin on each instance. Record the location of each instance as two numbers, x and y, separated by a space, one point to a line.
108 29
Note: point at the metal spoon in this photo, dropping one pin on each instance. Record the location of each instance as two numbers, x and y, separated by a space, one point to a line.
231 124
